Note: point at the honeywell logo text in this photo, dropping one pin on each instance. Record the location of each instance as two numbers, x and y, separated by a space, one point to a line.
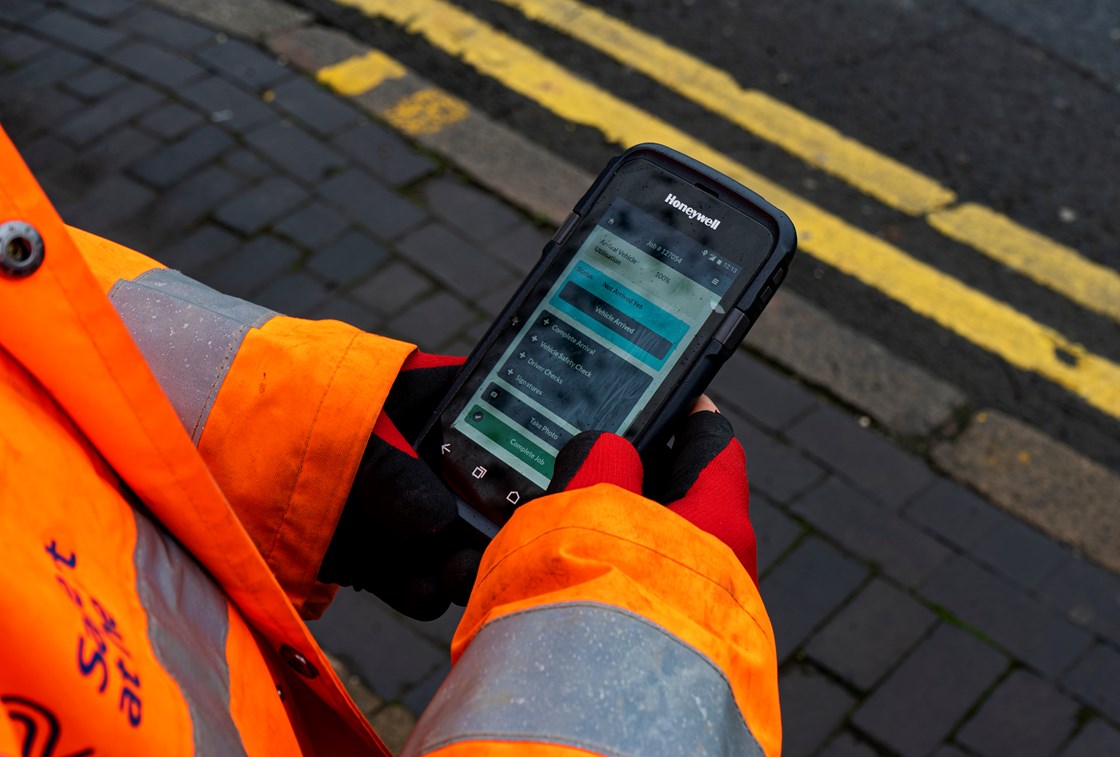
692 213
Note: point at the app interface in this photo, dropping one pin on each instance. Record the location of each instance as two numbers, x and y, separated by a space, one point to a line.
601 342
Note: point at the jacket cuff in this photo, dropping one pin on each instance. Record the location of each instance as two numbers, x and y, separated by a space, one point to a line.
286 434
606 545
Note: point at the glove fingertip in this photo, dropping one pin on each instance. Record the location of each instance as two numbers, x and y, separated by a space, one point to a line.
418 360
596 457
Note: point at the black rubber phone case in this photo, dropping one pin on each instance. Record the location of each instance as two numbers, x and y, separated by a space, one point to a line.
735 324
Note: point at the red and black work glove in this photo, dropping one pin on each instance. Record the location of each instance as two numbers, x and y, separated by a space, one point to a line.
703 478
399 536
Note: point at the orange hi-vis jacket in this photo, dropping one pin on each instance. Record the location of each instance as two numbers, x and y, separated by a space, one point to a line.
172 465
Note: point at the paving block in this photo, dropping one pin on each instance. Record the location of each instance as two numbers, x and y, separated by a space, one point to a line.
519 248
773 468
45 69
19 10
1018 552
760 392
108 203
384 153
225 104
110 154
295 293
1096 680
16 47
471 211
100 9
417 698
47 153
119 108
38 111
309 103
245 63
919 704
1021 624
994 538
166 29
1025 716
393 288
1041 480
493 303
340 308
247 164
155 64
95 82
812 708
805 588
1088 595
431 322
394 725
874 532
953 513
314 226
202 248
400 658
1095 739
294 151
847 745
190 201
170 121
871 634
451 259
171 165
348 260
774 531
75 31
262 205
860 455
371 203
948 750
249 269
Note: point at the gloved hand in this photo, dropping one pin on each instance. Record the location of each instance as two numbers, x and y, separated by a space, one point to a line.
399 536
703 478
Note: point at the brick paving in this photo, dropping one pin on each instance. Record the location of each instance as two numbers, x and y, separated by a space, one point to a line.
913 617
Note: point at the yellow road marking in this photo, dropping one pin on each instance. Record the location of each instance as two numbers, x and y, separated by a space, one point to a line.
1089 284
1052 265
814 142
361 73
957 307
426 112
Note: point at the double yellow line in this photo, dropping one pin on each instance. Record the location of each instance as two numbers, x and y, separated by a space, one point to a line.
986 322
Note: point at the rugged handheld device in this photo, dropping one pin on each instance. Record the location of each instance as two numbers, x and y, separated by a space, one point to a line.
639 298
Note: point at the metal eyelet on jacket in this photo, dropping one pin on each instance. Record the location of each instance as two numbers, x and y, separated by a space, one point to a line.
298 662
21 249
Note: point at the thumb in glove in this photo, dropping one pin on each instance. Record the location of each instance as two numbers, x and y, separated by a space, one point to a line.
703 479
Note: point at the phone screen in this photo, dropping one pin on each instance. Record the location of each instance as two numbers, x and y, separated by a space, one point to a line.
655 266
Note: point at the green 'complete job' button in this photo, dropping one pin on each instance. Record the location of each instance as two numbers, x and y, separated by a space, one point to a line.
504 436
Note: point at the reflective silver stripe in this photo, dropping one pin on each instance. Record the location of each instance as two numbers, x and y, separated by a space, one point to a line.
188 622
589 676
189 334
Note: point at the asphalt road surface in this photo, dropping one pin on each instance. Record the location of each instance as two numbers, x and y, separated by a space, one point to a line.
1006 115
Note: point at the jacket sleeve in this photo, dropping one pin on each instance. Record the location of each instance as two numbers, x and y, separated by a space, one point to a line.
602 622
280 408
